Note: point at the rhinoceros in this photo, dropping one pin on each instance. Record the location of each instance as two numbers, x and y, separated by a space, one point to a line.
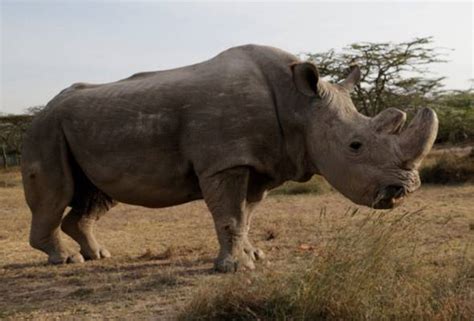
226 130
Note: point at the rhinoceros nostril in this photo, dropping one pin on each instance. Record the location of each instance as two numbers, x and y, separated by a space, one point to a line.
355 146
395 191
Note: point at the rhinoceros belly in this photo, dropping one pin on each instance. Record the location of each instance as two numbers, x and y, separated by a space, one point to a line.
133 157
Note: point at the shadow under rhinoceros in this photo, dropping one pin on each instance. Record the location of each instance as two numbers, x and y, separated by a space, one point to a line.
29 287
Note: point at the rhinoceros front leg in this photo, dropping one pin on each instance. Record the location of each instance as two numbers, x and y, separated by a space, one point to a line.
254 253
225 194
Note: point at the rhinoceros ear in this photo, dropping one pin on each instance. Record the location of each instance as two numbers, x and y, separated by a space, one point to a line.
352 79
305 77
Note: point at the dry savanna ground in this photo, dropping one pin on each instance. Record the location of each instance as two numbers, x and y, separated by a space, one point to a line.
162 259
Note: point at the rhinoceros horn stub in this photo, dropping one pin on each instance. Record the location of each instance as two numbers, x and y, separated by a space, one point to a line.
390 121
418 138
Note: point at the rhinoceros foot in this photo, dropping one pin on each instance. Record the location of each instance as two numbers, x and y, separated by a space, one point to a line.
65 258
242 259
255 253
234 263
95 254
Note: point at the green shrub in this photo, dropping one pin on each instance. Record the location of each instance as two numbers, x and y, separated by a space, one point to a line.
449 169
456 116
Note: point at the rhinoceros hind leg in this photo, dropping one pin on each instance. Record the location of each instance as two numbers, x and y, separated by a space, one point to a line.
45 236
80 226
88 205
47 196
226 197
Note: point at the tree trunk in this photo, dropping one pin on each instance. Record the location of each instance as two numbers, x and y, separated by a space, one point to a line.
4 156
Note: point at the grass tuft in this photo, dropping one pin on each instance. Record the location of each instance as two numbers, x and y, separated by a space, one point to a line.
150 255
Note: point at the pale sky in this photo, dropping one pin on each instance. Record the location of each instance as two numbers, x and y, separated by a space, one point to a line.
48 45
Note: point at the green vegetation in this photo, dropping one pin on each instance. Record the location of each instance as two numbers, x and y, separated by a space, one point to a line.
449 169
12 129
456 116
372 269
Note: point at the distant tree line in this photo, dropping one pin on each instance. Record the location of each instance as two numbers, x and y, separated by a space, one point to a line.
393 75
12 129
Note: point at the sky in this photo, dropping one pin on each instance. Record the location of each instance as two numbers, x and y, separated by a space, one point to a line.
48 45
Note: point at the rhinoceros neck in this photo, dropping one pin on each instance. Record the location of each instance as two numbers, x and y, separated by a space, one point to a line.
295 163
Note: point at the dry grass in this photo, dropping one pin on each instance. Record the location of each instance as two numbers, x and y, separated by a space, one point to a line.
370 268
163 258
10 178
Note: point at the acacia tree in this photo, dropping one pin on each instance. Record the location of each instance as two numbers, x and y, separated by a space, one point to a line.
12 129
34 110
392 74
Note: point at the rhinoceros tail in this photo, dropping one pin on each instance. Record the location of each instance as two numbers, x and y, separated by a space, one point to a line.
87 198
45 171
52 175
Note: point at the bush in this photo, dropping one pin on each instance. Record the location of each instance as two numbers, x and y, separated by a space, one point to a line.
316 185
456 117
371 272
449 169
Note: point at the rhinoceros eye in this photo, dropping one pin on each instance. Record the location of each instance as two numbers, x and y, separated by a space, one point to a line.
355 146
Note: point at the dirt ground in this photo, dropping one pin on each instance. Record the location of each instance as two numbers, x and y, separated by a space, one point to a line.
161 257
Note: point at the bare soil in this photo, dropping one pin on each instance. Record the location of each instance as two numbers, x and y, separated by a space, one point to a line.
161 257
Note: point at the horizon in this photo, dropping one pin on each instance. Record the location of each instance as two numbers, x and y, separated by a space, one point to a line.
47 46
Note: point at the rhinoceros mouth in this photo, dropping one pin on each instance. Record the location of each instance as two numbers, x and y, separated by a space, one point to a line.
389 197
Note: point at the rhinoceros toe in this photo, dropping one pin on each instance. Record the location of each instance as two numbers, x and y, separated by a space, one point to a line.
62 259
255 253
96 254
234 264
75 258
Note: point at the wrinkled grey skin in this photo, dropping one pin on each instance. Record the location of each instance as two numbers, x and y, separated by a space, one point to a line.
226 130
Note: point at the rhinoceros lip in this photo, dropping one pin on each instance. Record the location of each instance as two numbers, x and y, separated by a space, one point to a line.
385 200
387 203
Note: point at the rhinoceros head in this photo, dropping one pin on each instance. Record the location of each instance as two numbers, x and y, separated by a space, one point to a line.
372 161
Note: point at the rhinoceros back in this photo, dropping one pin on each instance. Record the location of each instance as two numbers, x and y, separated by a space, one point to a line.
146 139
